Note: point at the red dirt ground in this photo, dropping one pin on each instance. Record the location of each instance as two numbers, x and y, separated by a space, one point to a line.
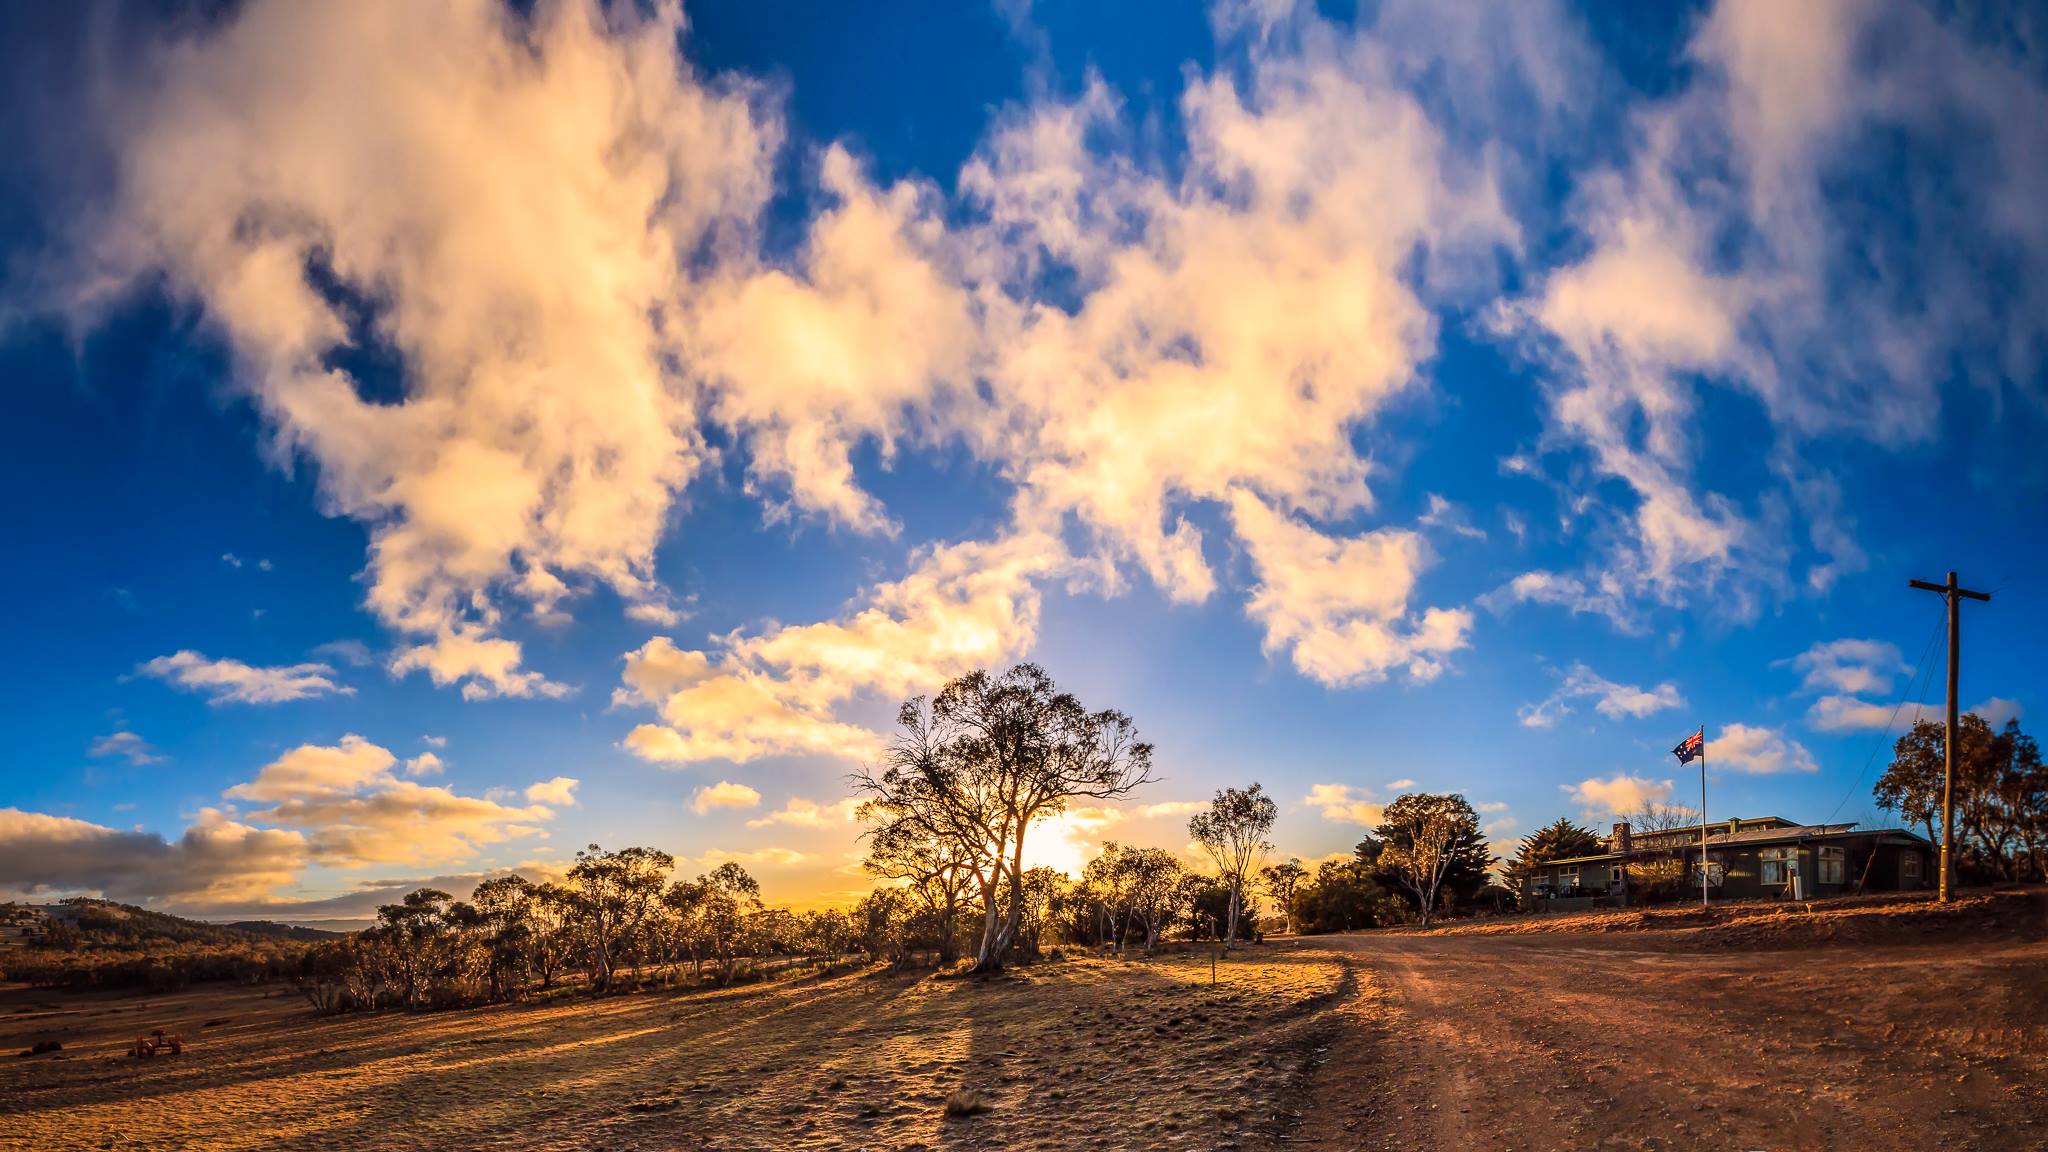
1873 1024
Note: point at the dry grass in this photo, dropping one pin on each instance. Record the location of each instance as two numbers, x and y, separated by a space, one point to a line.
965 1103
1081 1053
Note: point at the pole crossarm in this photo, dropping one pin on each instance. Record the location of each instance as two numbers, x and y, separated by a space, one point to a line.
1953 594
1965 593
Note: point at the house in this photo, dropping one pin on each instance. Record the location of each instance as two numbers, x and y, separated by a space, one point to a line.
1760 857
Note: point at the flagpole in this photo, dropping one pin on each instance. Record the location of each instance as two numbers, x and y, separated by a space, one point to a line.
1703 816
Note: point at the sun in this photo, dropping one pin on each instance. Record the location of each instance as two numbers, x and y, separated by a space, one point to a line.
1067 841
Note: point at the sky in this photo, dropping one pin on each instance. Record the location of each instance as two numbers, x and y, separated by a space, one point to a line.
446 436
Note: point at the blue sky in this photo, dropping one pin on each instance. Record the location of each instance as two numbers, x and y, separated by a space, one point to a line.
625 411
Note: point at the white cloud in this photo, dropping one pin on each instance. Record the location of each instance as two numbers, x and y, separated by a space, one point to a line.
1741 748
1448 517
227 681
724 794
960 607
810 361
486 666
354 812
759 857
417 159
424 764
1997 710
1340 606
1849 667
1850 714
802 813
1597 594
231 560
126 745
1218 335
1610 699
317 770
1344 804
1617 795
1398 785
1171 808
558 792
354 653
216 858
1732 249
434 741
1231 327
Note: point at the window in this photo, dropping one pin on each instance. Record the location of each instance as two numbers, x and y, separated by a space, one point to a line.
1615 874
1909 866
1775 861
1834 866
1569 877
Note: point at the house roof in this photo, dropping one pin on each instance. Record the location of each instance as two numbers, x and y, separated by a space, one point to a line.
1747 837
1581 859
1693 830
1769 835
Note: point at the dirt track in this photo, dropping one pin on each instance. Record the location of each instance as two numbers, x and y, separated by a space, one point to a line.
1542 1042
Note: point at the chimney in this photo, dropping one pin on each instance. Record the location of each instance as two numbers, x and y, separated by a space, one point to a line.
1734 825
1622 843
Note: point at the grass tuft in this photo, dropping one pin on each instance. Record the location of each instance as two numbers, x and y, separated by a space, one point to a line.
965 1102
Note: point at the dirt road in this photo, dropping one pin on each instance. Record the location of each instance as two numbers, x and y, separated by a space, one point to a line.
1544 1042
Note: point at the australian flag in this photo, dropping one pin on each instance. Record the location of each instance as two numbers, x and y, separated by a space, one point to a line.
1693 747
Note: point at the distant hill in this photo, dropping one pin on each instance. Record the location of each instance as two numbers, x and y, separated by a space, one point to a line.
83 922
277 931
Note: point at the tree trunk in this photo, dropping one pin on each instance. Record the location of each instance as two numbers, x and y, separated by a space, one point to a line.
989 913
995 941
1230 934
949 931
602 955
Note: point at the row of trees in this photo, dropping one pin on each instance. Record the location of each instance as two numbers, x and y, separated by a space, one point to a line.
616 917
971 771
1427 857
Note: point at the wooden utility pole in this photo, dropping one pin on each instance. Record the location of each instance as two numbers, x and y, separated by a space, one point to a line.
1954 594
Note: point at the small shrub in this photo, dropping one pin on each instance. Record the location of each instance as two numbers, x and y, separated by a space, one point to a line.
965 1102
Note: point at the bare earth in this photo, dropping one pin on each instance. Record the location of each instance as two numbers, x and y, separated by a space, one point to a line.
1071 1054
1850 1029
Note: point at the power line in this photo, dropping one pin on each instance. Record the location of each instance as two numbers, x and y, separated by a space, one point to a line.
1884 737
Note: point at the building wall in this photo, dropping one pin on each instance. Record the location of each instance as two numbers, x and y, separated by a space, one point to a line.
1593 878
1745 866
1744 869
